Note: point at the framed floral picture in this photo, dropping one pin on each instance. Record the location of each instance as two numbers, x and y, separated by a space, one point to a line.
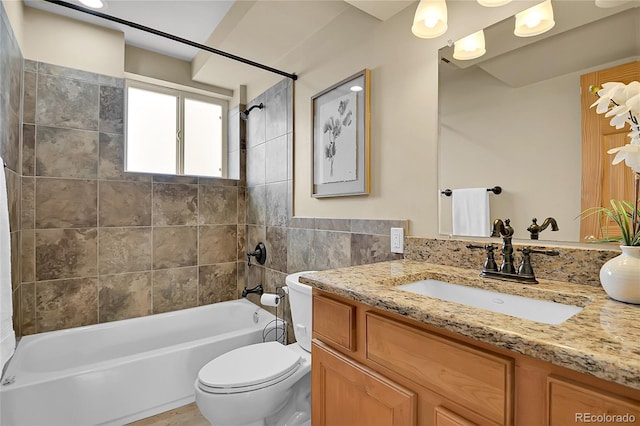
340 138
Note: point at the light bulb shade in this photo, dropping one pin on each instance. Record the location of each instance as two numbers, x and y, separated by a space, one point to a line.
493 3
535 20
430 20
469 47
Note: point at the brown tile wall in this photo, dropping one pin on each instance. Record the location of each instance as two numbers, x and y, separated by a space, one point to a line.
99 244
10 115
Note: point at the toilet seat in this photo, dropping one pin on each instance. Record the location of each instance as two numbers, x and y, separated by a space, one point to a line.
248 368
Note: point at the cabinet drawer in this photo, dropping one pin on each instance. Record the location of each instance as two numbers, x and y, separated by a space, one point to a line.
473 378
574 403
334 322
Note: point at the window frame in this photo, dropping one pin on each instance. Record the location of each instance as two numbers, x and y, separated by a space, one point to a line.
181 95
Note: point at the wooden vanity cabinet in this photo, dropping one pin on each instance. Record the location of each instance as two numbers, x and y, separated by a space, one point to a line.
572 402
348 393
371 367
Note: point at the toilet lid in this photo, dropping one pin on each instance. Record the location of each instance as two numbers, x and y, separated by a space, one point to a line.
248 368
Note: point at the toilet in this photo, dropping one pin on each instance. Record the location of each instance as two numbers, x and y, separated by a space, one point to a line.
264 383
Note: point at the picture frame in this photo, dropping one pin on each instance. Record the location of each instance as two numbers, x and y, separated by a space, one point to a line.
340 139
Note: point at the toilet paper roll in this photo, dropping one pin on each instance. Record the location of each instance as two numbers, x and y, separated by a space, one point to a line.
270 299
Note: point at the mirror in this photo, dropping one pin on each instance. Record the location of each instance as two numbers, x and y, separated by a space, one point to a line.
512 118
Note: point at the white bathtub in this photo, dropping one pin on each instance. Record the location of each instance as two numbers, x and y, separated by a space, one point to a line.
118 372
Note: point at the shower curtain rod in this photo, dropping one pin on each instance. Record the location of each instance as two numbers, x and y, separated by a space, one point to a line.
172 37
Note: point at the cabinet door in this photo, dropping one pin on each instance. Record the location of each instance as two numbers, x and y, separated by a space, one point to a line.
444 417
345 393
574 403
475 379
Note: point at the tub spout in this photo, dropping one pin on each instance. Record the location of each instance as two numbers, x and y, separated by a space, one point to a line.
257 290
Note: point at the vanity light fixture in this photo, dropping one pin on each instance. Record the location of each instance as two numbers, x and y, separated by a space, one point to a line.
470 47
493 3
535 20
94 4
430 20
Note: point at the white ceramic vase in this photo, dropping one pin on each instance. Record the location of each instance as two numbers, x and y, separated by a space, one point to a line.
620 276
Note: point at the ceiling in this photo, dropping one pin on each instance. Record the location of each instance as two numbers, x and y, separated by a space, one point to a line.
263 31
190 19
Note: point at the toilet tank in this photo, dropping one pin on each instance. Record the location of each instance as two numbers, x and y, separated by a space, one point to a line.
300 302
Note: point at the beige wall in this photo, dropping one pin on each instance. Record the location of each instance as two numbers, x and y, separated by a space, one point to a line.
66 42
404 99
156 66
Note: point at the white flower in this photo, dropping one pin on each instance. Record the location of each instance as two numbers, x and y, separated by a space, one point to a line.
630 153
632 89
633 103
622 103
609 91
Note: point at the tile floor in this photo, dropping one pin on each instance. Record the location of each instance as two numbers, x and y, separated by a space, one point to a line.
189 415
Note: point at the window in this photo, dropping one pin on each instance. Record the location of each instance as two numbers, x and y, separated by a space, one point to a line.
174 132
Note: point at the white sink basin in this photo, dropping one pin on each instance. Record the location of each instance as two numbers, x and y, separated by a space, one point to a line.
517 306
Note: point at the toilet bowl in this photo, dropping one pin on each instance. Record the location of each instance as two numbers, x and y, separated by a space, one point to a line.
264 383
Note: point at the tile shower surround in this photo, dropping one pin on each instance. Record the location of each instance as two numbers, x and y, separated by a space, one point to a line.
10 112
99 244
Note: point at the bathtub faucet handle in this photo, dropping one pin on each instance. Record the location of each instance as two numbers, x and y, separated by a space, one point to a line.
260 253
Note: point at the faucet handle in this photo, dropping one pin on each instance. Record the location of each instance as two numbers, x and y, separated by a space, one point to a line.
490 262
525 268
487 247
547 252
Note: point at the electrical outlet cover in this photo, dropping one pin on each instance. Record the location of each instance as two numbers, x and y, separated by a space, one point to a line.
397 240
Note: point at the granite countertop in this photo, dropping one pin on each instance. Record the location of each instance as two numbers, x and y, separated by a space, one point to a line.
603 340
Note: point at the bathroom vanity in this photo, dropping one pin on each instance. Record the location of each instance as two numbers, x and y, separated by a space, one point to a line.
383 356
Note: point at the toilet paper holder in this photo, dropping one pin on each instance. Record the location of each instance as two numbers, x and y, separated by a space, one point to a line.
270 299
276 300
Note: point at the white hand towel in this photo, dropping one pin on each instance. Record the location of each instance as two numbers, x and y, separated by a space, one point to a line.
470 210
7 335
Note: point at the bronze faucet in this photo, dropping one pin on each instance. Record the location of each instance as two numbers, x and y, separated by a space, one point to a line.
505 229
507 271
536 229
